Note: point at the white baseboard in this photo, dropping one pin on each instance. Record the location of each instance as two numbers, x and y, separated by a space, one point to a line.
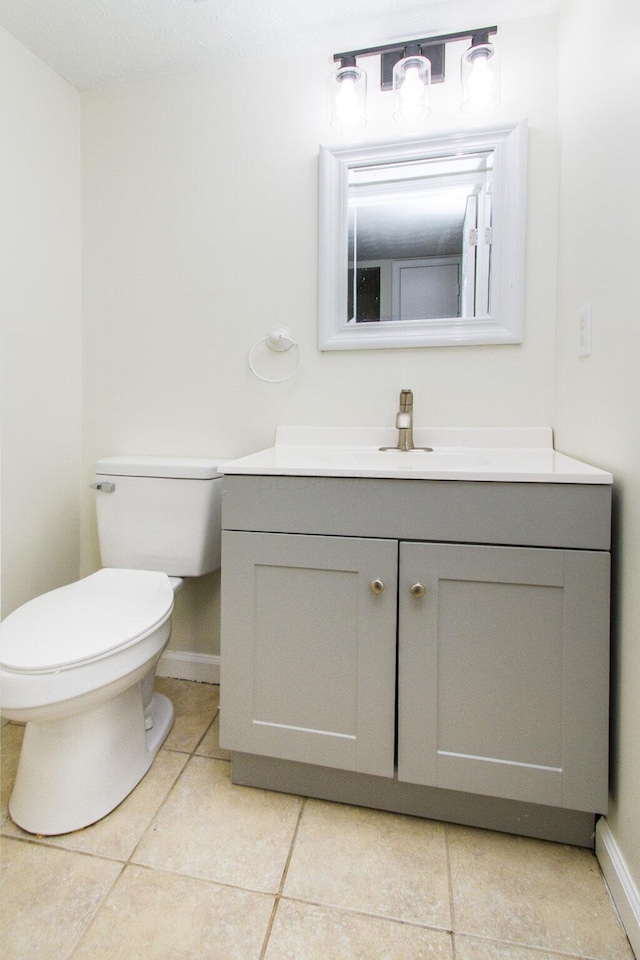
203 667
623 889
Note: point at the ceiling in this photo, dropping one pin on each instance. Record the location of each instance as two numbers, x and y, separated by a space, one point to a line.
96 43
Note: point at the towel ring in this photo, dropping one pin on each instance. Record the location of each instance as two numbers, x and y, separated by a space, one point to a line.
280 340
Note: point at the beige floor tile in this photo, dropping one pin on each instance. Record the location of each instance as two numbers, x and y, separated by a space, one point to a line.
12 735
117 834
210 744
195 706
151 915
211 829
371 861
302 931
532 893
49 896
472 948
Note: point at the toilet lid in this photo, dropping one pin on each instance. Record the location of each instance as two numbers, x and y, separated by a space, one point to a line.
84 620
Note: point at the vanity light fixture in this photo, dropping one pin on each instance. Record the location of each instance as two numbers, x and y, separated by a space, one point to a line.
408 68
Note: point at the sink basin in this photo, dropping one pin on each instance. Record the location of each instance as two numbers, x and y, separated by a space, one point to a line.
414 460
520 455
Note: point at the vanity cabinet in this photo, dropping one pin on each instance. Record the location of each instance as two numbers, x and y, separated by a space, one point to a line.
438 634
309 657
502 672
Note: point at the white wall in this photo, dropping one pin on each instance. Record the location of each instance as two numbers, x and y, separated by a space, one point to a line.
200 234
40 325
598 398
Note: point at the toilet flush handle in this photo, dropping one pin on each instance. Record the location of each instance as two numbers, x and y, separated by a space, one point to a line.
103 485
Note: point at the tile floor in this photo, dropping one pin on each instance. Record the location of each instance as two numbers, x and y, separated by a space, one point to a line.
190 866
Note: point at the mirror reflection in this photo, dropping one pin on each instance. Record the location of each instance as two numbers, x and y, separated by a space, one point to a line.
419 239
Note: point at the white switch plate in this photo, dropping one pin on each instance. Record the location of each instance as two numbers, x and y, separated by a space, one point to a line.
584 331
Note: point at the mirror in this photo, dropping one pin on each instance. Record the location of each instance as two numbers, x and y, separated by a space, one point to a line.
422 242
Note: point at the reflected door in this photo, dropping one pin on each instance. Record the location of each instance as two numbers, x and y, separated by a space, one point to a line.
426 289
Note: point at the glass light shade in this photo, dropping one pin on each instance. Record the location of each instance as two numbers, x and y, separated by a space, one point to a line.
348 97
411 81
480 79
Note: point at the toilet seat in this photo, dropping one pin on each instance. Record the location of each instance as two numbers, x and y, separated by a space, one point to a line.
84 621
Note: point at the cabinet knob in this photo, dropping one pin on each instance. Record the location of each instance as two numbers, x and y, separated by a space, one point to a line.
376 586
418 591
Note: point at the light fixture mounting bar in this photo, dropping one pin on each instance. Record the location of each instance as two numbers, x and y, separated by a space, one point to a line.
430 47
424 41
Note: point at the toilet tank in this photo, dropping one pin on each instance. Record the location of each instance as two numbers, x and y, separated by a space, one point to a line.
160 513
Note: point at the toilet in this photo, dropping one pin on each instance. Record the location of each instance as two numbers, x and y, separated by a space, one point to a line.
77 664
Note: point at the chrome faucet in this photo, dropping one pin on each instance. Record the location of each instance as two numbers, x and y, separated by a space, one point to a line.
404 425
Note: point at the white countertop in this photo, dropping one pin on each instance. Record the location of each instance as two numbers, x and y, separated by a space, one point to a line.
521 455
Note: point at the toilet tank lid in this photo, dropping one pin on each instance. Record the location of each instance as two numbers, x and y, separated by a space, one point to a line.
180 468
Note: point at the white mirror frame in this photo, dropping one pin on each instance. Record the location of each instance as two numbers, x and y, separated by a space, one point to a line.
506 321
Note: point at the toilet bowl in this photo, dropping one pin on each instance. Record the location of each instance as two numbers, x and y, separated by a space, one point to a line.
77 664
73 667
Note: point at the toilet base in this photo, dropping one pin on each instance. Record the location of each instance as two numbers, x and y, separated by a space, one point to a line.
160 712
76 770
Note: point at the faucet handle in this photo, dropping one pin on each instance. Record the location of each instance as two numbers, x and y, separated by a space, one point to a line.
406 399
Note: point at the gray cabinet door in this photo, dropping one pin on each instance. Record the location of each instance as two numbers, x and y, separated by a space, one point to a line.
308 649
503 672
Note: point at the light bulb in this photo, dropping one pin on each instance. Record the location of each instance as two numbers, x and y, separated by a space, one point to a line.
347 100
411 77
348 86
480 79
481 83
411 92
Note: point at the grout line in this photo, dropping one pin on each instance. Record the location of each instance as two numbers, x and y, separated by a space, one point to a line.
161 806
352 911
153 819
452 944
293 840
82 935
283 878
545 952
39 841
452 907
215 717
267 935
